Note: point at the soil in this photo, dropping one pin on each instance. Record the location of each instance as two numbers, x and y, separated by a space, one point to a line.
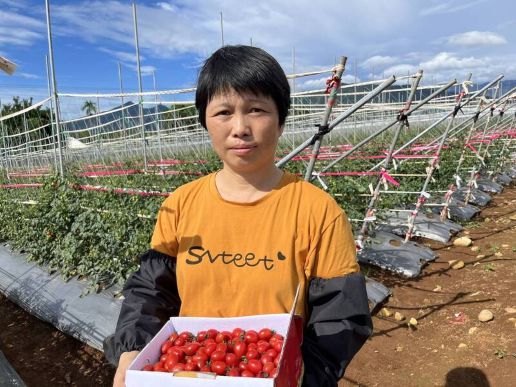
441 350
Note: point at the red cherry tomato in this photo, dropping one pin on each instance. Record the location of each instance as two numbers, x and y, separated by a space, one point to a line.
266 359
252 354
179 342
191 348
199 360
272 353
254 366
277 346
222 347
166 345
265 334
277 336
178 367
210 348
171 360
212 333
238 333
263 346
217 356
219 367
191 367
239 348
186 336
242 366
148 367
178 351
209 341
247 374
268 367
232 359
201 336
223 337
233 372
251 336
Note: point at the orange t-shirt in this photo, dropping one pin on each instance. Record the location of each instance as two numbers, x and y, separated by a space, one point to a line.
238 259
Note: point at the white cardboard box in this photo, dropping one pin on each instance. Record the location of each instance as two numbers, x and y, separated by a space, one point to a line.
290 367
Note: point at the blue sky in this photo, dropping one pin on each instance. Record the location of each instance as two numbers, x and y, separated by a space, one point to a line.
447 38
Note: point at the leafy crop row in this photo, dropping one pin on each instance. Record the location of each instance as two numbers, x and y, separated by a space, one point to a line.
99 235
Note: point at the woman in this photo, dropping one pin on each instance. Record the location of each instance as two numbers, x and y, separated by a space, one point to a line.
239 241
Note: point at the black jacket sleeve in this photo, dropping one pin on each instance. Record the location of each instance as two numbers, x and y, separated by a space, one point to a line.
151 298
339 323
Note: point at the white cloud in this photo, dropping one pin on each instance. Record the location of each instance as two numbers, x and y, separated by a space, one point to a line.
446 60
28 76
448 7
168 29
320 83
20 30
312 84
122 55
145 70
348 78
476 39
379 61
167 6
400 69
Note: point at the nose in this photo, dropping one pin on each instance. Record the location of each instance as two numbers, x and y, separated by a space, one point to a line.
241 125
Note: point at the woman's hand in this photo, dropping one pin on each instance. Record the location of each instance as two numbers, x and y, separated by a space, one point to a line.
126 359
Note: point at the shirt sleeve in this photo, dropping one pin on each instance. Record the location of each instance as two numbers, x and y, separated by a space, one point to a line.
164 239
335 252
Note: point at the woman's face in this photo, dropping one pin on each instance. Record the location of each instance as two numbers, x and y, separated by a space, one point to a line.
244 130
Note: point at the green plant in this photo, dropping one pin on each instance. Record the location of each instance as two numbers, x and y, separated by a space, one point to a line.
500 353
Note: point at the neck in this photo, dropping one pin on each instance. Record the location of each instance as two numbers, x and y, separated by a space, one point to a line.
247 187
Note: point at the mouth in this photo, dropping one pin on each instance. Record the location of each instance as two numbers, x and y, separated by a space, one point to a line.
242 149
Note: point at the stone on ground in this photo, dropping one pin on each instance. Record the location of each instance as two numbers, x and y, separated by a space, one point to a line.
462 241
485 315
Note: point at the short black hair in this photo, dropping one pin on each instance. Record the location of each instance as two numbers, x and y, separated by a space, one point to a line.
243 69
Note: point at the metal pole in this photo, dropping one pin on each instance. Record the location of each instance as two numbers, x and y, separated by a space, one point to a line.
386 127
331 101
54 87
434 164
459 128
140 104
158 126
52 129
123 108
293 97
339 119
4 143
441 120
221 30
27 140
403 122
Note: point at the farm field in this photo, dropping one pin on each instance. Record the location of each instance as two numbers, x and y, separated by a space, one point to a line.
433 354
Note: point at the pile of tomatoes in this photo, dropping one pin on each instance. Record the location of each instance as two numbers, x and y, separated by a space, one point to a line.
248 353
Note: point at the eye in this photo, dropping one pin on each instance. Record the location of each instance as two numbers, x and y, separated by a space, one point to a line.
256 110
224 112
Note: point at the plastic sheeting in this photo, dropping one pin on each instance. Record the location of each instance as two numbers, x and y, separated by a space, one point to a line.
8 376
89 318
